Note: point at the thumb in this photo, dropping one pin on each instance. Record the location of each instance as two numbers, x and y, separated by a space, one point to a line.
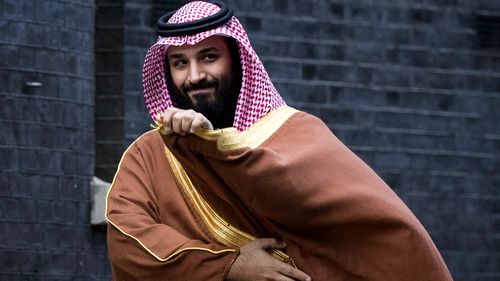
207 125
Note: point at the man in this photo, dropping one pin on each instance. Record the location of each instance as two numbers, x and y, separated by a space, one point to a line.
201 207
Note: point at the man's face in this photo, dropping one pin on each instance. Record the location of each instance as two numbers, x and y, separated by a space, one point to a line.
204 80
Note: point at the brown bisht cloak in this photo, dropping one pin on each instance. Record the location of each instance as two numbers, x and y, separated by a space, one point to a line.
154 232
161 228
298 182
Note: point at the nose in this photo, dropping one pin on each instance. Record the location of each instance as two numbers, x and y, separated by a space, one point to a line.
196 73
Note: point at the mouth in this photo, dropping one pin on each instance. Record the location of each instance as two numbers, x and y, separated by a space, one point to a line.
194 94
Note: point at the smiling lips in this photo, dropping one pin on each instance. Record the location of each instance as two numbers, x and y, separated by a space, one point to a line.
200 92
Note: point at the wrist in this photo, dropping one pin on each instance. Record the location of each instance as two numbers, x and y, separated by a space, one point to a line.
226 276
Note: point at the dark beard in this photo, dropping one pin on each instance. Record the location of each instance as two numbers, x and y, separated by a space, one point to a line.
221 110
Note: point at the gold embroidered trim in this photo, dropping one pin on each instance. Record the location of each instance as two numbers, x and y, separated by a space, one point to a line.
137 239
230 138
221 230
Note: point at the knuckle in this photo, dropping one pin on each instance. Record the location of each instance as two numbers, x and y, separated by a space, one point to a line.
167 126
269 242
169 111
287 271
258 243
164 117
177 117
196 120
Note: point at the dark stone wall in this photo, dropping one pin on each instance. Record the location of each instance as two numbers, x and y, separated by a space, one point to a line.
109 99
47 142
405 84
124 33
408 85
139 36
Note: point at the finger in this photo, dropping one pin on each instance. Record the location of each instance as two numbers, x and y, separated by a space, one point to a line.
265 243
206 124
200 121
282 278
167 119
187 123
177 119
292 272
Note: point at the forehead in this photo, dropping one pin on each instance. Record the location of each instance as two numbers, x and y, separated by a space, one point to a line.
217 42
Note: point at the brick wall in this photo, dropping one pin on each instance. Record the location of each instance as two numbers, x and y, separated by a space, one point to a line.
123 35
138 38
109 114
406 86
47 142
403 83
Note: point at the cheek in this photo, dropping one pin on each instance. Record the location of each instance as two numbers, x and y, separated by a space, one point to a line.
177 78
223 70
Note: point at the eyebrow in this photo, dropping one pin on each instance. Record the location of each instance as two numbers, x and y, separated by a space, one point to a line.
208 50
202 51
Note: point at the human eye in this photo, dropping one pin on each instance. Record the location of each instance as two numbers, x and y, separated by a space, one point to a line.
178 63
209 57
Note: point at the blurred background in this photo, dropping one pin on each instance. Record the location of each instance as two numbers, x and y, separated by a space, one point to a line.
412 86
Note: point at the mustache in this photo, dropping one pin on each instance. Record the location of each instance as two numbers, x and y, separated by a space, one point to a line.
203 84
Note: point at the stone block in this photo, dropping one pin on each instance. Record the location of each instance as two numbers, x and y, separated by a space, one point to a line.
133 80
392 160
289 70
139 38
331 72
336 115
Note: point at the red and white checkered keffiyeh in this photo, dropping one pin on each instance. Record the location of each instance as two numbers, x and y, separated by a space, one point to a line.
257 95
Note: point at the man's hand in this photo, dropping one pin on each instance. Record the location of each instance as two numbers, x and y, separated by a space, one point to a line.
183 121
255 264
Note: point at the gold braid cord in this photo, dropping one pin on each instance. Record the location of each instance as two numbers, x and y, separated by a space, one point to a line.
228 139
221 230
